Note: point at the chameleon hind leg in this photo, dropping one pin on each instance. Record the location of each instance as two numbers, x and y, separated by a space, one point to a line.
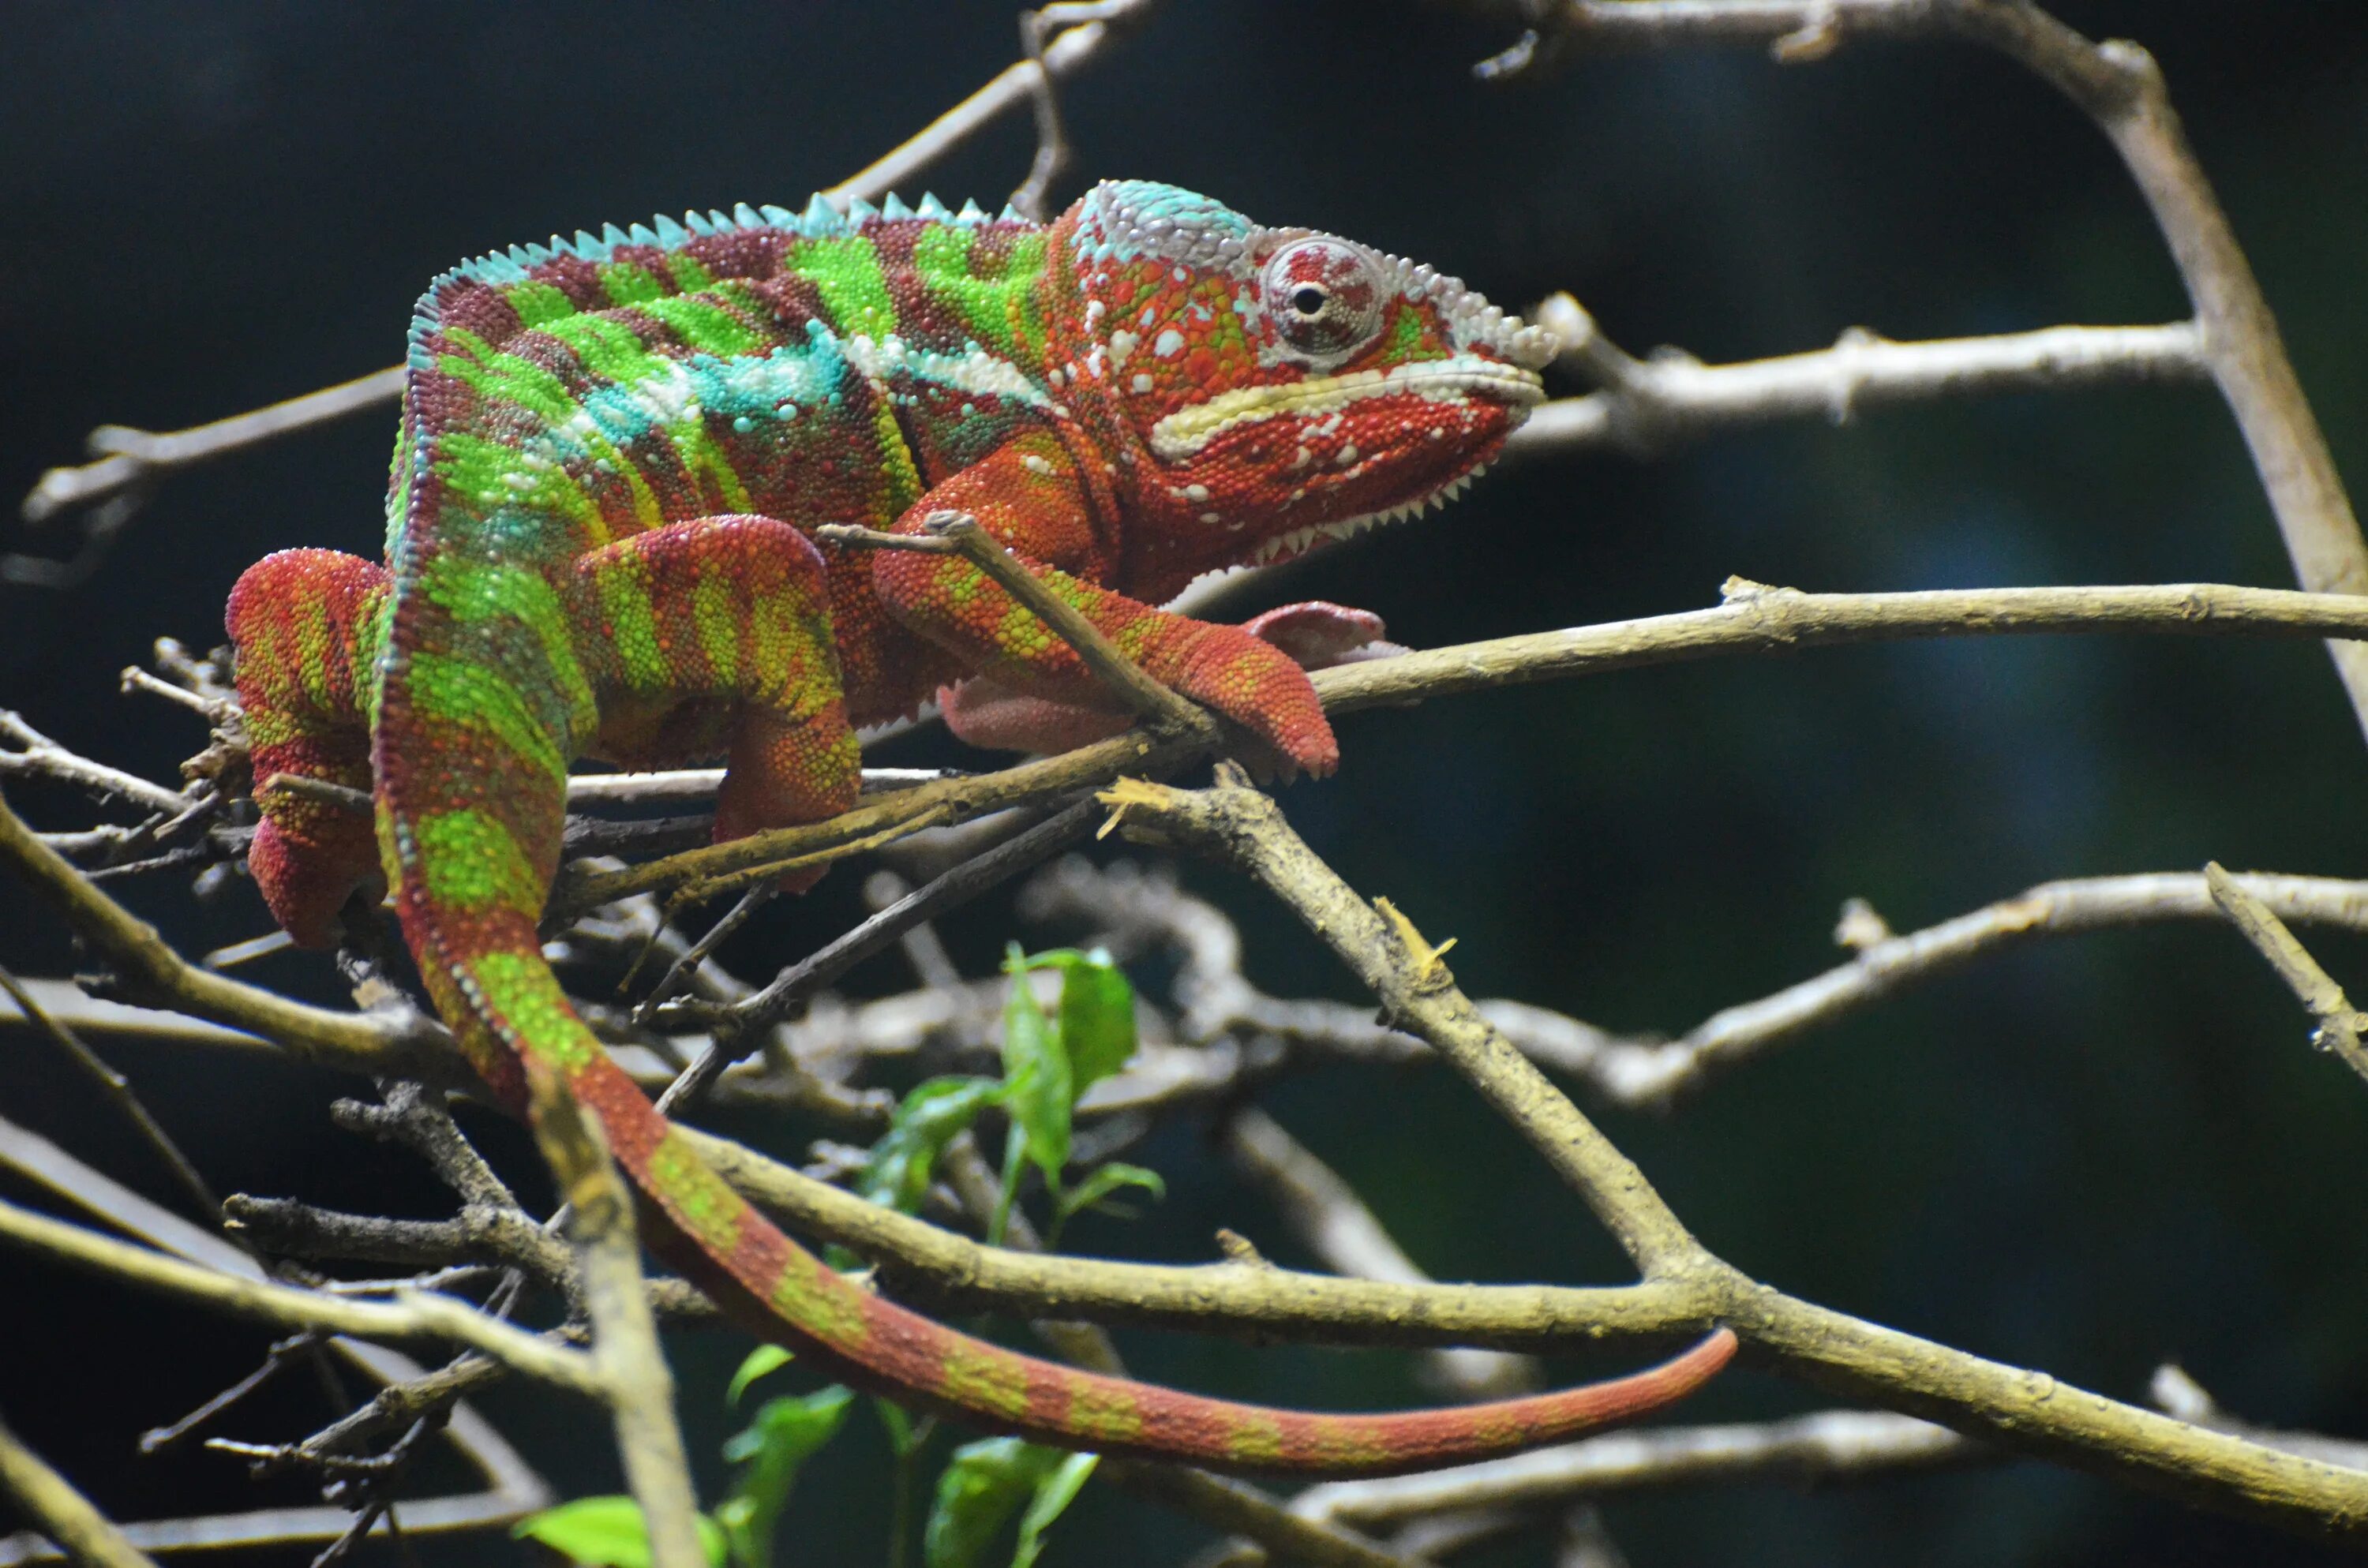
715 635
300 620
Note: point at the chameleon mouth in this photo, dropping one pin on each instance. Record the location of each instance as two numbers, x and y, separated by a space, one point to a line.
1188 430
1299 540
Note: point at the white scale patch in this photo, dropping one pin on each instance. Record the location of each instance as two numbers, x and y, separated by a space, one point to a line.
1179 435
977 371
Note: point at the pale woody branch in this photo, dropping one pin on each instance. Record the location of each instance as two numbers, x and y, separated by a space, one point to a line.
2120 87
1647 405
1826 1445
2028 1411
636 1383
408 1316
89 1536
2338 1021
1336 1225
1643 1072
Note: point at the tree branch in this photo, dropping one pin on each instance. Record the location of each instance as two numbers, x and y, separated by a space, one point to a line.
2338 1021
2120 87
1646 407
89 1536
2028 1411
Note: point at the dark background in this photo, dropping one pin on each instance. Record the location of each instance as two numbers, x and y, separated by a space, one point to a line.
2088 1156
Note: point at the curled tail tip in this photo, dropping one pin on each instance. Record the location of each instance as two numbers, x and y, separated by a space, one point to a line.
1708 1357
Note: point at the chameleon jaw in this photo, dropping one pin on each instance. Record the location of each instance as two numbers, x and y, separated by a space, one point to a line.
1298 540
1188 430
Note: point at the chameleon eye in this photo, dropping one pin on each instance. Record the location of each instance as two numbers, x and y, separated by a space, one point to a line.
1323 297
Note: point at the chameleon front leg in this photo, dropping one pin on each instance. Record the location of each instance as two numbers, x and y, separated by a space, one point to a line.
982 712
718 630
304 623
1028 496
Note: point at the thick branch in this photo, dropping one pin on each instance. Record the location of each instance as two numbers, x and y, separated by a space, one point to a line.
1334 1224
638 1386
1276 1303
1759 618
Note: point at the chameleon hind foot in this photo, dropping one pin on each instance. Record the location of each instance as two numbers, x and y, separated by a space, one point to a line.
300 620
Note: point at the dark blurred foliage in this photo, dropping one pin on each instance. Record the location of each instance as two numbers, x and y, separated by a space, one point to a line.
2088 1156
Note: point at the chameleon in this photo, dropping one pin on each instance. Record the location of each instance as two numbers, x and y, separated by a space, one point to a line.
612 457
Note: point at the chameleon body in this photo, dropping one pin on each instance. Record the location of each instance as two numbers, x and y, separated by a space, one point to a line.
612 456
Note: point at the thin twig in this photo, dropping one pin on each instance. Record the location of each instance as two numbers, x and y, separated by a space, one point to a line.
117 1089
37 756
369 1043
1829 1445
1146 696
2339 1022
133 460
793 986
406 1317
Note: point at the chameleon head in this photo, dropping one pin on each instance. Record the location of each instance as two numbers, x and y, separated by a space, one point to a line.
1281 387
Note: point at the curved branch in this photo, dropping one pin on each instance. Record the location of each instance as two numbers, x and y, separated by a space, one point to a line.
2024 1410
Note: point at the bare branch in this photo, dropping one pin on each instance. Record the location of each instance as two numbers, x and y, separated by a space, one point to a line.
2120 87
130 457
1068 53
119 1090
38 756
1755 618
2028 1411
367 1043
1648 1072
1829 1445
1334 1224
409 1317
2338 1021
89 1536
1648 406
637 1385
131 462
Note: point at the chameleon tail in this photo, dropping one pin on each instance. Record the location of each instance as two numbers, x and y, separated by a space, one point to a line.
473 745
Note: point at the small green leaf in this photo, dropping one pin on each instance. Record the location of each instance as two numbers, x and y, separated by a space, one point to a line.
1054 1495
763 1359
1036 1081
1100 1183
1097 1015
928 1117
984 1484
607 1532
785 1433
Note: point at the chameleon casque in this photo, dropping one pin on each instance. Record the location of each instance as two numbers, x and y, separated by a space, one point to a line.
611 458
